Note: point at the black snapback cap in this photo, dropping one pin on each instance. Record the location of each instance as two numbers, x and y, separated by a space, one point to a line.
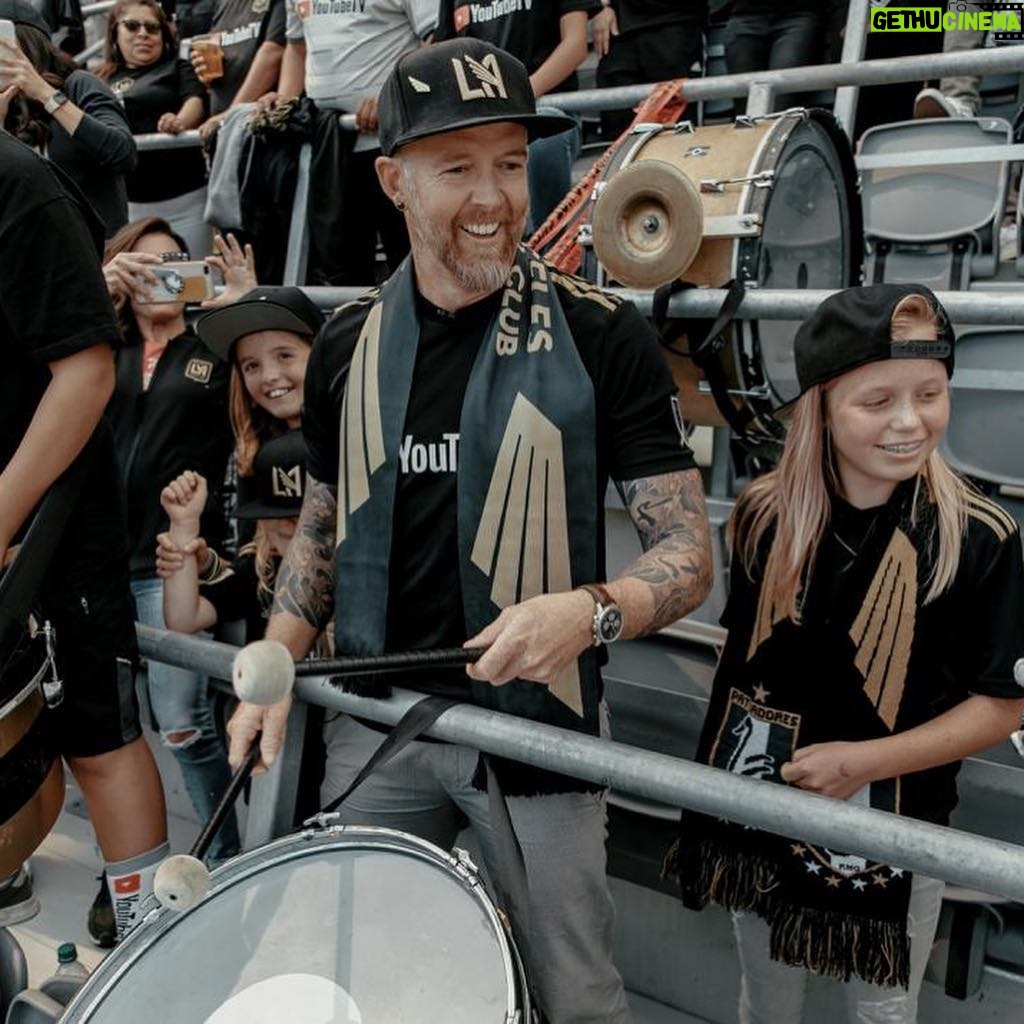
21 12
278 481
852 328
460 83
262 309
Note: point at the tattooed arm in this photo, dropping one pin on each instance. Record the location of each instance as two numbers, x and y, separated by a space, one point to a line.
304 594
673 575
303 601
538 638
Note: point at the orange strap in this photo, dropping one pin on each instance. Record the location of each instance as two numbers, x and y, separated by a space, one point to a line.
556 237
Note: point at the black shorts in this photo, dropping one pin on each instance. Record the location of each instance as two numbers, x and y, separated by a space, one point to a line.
88 600
94 621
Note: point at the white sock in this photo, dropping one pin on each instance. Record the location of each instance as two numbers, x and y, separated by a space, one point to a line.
130 883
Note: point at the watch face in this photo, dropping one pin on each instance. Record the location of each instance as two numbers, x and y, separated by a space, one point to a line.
610 625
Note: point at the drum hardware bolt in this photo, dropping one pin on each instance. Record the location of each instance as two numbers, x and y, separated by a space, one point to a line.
465 862
598 189
683 127
651 224
321 820
585 236
53 688
763 179
697 151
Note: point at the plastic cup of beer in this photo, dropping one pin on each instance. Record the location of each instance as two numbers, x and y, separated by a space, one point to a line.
213 57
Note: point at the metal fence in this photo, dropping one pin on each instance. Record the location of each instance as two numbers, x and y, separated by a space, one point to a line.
988 865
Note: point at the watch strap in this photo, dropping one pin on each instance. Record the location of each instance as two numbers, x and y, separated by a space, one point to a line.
599 592
55 102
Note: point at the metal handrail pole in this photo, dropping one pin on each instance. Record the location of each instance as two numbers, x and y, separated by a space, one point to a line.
90 51
994 308
809 78
855 40
976 862
89 10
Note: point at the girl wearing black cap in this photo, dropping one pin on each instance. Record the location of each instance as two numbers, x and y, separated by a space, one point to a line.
874 616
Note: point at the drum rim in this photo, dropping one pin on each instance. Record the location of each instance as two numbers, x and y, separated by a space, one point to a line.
159 920
25 692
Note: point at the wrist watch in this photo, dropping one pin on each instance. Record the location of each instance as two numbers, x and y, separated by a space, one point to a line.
607 624
55 102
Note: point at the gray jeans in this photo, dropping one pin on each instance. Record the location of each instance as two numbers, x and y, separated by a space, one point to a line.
774 993
427 789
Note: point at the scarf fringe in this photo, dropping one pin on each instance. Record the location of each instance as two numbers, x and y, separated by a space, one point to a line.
831 943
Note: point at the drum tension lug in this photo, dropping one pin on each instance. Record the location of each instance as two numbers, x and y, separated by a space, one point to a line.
53 688
585 236
322 820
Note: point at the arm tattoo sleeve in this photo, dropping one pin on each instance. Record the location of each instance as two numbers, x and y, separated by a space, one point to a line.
669 515
305 581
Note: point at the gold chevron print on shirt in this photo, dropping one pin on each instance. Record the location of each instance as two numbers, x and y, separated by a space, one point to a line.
884 628
522 542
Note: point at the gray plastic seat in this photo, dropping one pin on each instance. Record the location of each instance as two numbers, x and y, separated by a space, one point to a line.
937 224
986 431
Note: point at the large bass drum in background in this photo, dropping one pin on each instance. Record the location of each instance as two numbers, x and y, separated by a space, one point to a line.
31 774
331 926
769 201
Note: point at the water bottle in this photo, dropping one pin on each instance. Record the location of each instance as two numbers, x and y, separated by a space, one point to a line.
71 973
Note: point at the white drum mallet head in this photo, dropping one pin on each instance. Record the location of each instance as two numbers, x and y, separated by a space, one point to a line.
263 672
181 882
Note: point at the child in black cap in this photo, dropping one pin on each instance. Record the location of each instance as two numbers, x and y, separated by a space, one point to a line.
272 496
874 617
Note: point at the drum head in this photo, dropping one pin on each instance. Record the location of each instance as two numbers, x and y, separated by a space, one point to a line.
811 238
344 926
648 224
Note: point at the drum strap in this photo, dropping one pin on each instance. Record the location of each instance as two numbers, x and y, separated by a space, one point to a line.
511 867
707 354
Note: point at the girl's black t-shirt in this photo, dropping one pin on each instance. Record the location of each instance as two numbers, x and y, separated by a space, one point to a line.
147 94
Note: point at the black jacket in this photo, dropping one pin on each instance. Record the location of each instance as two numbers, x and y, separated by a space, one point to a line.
180 423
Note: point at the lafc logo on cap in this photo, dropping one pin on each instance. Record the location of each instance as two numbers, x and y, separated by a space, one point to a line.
487 74
286 483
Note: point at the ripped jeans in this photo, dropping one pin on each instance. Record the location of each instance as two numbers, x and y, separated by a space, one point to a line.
773 993
181 709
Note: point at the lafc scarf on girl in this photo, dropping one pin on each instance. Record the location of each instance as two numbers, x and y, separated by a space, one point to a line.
841 675
526 482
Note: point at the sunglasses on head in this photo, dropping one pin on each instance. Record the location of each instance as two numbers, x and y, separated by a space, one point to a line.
151 28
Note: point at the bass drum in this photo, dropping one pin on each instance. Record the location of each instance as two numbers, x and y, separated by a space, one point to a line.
31 774
340 925
768 201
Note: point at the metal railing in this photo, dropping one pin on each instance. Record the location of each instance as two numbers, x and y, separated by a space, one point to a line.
976 862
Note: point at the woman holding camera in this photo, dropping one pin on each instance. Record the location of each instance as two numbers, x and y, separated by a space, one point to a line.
68 115
170 414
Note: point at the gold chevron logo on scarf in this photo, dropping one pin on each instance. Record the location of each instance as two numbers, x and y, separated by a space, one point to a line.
362 436
522 542
884 628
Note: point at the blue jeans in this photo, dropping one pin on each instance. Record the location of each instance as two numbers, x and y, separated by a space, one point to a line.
550 170
180 704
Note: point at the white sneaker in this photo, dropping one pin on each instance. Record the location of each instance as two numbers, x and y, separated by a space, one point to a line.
932 103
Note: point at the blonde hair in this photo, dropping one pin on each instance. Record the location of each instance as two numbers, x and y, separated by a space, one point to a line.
794 497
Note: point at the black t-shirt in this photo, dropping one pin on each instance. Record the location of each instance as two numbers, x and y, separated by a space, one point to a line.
147 94
238 595
635 15
637 437
770 8
529 31
965 642
243 26
53 304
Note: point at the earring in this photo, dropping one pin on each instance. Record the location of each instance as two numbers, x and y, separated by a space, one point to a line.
400 205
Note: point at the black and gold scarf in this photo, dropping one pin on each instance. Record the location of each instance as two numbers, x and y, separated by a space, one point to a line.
842 674
526 482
